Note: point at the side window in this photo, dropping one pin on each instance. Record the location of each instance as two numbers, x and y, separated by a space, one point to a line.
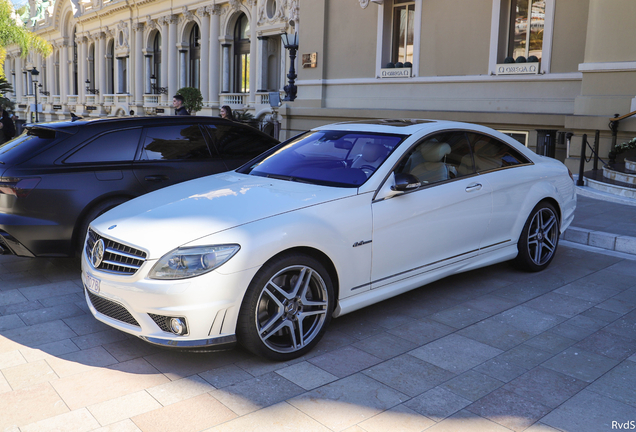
490 153
175 142
438 158
233 142
119 146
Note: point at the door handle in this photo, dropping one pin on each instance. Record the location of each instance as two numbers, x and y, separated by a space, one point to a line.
156 178
473 187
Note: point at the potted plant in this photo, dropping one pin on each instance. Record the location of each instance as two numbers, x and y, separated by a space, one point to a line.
193 99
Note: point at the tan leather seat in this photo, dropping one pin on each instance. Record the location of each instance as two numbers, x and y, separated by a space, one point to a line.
433 168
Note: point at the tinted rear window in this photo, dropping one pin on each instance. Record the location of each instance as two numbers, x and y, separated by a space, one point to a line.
27 145
118 146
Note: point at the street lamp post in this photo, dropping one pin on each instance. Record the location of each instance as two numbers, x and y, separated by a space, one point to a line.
291 43
34 79
154 88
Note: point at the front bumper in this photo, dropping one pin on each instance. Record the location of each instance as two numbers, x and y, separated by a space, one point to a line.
209 305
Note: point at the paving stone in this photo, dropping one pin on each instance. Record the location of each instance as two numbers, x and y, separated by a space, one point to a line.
495 333
509 409
50 290
40 334
75 421
625 327
407 420
588 291
257 393
529 320
30 405
409 375
29 374
129 349
353 325
491 303
9 322
560 305
438 403
609 345
123 407
176 365
62 299
16 308
44 351
501 369
618 384
465 420
472 385
180 390
11 358
545 386
589 412
11 297
524 356
580 364
550 342
85 324
422 331
455 353
49 314
384 345
602 315
348 401
306 375
225 376
459 316
344 361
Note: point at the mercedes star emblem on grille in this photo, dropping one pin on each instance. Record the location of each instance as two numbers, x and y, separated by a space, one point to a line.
97 254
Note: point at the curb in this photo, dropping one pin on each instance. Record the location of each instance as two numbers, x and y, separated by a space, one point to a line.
600 239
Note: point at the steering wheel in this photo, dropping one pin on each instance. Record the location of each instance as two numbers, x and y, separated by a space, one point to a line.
368 170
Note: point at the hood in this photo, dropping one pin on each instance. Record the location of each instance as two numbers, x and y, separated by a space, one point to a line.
165 219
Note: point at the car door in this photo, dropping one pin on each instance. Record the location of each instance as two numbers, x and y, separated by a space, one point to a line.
507 172
175 153
441 222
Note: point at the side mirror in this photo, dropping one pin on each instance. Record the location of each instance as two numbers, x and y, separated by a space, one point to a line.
405 182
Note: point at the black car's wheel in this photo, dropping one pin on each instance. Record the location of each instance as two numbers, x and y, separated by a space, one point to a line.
93 214
539 238
286 308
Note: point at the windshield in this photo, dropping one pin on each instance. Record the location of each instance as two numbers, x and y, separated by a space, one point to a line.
330 158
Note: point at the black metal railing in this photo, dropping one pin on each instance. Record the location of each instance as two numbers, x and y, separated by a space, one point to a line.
584 144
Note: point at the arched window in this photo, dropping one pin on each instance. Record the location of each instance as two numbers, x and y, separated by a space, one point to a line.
195 56
156 58
242 55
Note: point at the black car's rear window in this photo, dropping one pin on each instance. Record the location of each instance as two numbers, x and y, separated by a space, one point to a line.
26 145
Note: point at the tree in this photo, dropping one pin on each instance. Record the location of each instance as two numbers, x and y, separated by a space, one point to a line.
12 31
193 101
6 87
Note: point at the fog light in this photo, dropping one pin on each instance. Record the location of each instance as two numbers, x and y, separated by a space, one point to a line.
177 326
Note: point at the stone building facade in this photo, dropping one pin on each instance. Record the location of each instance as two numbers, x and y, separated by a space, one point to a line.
456 59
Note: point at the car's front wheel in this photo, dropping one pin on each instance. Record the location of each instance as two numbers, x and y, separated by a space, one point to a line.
539 238
286 308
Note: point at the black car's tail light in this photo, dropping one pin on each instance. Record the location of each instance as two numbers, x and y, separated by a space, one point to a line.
20 188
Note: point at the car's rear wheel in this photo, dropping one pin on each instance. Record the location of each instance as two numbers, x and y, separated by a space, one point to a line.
539 238
286 308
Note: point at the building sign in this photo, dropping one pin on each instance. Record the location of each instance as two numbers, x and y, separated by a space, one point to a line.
160 110
395 73
90 108
22 106
517 68
56 107
310 60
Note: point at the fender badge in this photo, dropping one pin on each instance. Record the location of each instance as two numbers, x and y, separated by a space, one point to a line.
111 227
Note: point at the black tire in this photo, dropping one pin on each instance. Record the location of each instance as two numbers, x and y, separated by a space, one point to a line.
98 210
280 317
539 239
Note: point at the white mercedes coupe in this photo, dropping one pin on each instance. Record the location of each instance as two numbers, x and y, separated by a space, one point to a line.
333 220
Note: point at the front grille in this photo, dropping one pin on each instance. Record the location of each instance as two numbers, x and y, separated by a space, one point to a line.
163 322
118 258
112 309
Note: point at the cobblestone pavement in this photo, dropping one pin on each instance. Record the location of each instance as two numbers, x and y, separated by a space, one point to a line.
490 350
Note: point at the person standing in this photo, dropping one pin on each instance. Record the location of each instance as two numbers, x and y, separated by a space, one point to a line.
7 128
226 112
177 103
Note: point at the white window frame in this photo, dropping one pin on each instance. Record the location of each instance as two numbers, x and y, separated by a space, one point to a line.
417 32
495 32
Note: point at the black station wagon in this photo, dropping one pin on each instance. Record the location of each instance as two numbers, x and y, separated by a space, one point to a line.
56 178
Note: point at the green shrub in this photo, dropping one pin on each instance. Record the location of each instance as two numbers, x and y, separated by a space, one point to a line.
193 98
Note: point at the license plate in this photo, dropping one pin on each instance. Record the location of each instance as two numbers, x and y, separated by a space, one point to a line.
92 283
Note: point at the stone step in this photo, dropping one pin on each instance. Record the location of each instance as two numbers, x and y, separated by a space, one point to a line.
625 175
630 164
624 190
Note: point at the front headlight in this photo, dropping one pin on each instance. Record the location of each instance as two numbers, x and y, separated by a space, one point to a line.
187 262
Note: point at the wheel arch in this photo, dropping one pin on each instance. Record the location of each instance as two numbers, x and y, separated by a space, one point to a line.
319 256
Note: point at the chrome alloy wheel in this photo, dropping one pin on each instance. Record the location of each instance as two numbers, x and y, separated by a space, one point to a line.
291 309
543 236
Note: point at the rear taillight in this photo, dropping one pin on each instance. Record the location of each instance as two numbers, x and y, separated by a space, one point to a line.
20 188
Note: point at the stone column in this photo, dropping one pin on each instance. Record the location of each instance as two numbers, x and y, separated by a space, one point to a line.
263 44
65 76
253 52
19 89
147 73
173 58
101 63
139 65
163 82
226 67
183 69
82 63
204 82
214 56
50 75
